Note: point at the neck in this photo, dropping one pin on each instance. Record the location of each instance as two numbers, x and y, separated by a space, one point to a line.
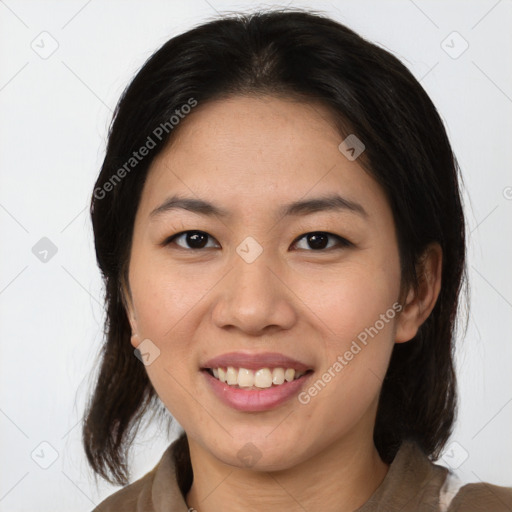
341 478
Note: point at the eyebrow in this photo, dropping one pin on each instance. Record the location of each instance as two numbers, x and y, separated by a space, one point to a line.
332 202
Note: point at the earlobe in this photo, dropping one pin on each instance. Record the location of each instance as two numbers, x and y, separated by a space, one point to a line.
420 302
135 340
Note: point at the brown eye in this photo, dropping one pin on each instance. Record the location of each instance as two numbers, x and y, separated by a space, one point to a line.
192 239
319 240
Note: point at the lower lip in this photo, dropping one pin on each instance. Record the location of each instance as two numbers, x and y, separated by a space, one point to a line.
255 400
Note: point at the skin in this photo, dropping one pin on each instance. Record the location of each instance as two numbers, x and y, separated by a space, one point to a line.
250 155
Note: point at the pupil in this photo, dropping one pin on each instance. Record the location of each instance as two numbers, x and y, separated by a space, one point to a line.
317 241
197 239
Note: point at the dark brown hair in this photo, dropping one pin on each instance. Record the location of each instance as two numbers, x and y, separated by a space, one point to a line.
372 95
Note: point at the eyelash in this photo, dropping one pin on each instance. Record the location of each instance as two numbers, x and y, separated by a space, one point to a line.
342 242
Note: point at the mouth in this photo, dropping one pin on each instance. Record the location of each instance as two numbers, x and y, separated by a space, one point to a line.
262 378
255 382
253 391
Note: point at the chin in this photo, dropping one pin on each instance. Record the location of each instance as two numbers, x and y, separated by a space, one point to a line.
259 452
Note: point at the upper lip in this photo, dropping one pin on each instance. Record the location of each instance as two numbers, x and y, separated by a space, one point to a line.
253 361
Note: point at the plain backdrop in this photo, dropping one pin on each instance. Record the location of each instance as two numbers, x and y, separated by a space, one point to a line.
63 67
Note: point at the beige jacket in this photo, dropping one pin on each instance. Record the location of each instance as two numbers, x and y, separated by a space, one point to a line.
413 483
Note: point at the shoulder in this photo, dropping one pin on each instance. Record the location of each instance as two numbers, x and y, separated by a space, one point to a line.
130 498
156 491
415 482
482 496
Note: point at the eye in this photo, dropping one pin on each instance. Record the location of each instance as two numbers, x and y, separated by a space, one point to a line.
194 239
319 240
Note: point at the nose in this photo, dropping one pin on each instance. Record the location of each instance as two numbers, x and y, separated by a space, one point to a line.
254 298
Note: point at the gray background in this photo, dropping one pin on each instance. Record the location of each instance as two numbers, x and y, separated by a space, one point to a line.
63 67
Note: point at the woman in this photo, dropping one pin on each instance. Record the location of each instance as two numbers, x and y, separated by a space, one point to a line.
279 226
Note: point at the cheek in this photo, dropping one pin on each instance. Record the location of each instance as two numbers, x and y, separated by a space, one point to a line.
165 301
358 316
164 295
169 303
353 300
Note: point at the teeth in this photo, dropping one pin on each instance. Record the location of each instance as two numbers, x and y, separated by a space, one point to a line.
289 374
278 376
245 378
262 378
231 376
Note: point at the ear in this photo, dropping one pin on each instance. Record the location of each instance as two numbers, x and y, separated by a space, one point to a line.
126 298
420 303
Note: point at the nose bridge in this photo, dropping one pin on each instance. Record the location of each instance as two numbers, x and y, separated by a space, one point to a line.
253 297
254 277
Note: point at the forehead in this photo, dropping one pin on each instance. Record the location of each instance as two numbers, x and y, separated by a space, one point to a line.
257 152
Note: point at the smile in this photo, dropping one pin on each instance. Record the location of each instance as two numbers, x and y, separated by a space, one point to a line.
252 398
262 378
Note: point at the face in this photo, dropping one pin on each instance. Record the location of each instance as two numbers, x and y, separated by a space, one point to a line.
257 287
